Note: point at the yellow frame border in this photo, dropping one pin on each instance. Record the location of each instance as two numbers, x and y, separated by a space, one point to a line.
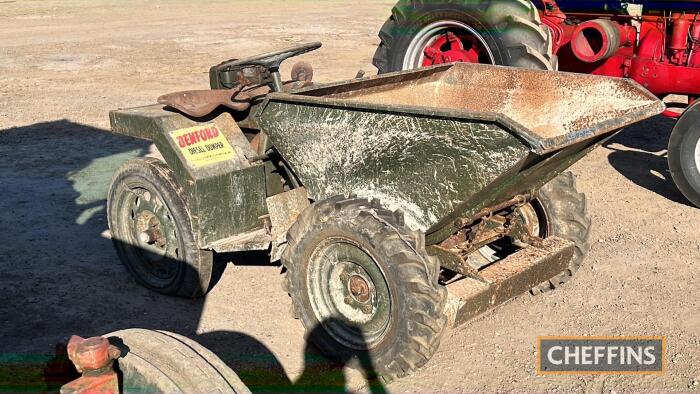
539 371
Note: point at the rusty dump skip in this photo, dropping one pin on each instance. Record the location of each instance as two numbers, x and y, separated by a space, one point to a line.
444 142
550 110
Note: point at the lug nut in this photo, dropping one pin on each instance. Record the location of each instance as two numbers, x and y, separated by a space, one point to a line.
144 237
367 309
348 300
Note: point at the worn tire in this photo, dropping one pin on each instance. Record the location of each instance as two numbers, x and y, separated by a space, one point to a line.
163 362
511 30
566 215
192 267
684 154
416 321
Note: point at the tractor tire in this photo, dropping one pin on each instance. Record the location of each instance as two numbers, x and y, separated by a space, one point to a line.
363 285
151 230
163 362
684 154
500 32
563 212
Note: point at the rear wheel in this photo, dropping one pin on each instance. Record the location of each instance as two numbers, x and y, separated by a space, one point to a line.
423 33
684 154
362 283
151 230
562 211
164 362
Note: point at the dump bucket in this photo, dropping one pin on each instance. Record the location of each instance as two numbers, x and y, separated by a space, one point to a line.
444 142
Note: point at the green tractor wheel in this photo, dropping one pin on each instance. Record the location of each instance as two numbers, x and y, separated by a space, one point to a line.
151 230
363 285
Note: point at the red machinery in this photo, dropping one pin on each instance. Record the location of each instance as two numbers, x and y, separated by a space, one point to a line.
654 42
659 47
660 50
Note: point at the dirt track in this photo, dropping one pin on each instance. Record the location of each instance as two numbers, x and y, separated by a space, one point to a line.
64 64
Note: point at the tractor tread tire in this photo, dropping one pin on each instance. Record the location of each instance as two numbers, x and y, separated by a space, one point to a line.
682 144
161 361
195 278
421 299
567 214
520 39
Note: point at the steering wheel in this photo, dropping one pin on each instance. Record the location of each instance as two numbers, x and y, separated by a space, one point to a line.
273 60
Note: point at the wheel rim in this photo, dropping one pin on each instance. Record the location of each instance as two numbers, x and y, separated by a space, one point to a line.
151 236
446 42
348 293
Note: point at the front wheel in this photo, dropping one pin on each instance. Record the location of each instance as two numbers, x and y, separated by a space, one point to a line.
363 284
500 32
684 154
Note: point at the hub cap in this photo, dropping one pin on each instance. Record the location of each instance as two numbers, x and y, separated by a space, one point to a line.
346 284
153 235
447 42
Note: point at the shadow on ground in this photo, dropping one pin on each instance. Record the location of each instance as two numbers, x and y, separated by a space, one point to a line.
61 276
639 153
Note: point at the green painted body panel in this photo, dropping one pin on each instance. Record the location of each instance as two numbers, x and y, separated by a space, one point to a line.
422 165
225 199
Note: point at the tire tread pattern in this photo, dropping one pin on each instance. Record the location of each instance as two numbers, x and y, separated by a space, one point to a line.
517 23
422 321
198 272
161 361
567 213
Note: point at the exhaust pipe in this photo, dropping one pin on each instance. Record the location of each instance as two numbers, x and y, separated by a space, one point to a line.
598 39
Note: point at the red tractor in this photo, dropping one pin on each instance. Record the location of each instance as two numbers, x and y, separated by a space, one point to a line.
656 43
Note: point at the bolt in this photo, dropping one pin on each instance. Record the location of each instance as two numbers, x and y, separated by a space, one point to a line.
367 309
144 237
348 300
430 53
344 276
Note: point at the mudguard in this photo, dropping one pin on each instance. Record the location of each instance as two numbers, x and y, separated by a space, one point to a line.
211 161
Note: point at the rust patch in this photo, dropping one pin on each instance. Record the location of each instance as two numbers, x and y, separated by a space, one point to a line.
549 104
507 278
284 209
199 103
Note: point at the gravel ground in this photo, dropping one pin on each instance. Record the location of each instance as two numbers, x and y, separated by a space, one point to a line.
65 63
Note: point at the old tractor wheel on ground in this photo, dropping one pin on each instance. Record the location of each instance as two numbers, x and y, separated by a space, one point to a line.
561 210
684 154
163 362
363 285
503 32
151 230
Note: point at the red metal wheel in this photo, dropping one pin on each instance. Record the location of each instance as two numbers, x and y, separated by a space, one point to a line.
447 42
449 47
